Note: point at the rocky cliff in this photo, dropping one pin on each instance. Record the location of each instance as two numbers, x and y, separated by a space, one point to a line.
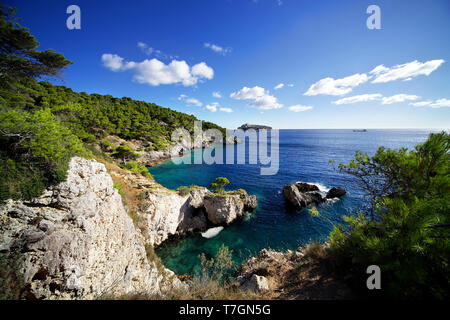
75 241
161 213
82 240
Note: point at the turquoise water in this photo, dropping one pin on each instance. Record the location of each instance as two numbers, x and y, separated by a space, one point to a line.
304 156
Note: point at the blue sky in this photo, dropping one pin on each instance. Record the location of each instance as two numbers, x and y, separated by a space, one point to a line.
336 72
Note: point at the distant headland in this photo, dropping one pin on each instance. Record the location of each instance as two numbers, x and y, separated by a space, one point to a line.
247 126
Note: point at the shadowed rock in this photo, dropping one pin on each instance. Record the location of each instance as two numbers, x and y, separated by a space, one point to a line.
336 193
301 199
301 195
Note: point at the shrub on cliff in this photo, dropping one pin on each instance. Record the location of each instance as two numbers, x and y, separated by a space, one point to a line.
133 166
36 150
219 184
406 231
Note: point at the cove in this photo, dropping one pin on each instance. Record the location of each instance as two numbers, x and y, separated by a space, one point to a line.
304 156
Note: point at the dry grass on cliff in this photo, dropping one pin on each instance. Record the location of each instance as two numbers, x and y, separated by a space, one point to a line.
299 275
198 289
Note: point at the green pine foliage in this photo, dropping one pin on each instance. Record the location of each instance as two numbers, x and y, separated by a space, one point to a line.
95 116
19 58
407 234
42 125
219 184
35 151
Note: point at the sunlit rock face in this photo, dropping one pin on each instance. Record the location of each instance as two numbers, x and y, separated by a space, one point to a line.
75 241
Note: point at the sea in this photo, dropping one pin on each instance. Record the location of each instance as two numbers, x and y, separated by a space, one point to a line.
304 155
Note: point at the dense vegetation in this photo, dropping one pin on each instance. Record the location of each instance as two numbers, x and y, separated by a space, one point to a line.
42 125
406 230
94 116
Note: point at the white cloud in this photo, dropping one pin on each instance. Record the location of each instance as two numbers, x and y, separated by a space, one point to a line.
421 103
217 48
279 86
261 98
248 93
299 108
405 71
145 48
290 85
201 70
266 102
440 103
379 74
112 61
399 98
194 102
212 107
190 101
216 94
359 98
336 87
155 72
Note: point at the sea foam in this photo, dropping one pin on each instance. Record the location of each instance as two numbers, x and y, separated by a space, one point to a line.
211 232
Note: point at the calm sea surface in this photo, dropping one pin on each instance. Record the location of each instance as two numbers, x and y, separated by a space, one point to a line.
304 156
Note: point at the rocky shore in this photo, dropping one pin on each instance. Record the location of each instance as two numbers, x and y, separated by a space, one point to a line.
83 240
174 150
299 274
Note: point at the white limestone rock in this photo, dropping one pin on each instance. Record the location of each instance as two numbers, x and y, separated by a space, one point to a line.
76 241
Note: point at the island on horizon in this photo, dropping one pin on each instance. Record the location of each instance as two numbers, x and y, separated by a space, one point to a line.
247 126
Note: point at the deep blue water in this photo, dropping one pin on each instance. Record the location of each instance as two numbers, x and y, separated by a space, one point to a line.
304 156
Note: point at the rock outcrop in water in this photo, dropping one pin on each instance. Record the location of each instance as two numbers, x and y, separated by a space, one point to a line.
336 193
247 126
224 209
302 194
76 241
161 213
169 214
